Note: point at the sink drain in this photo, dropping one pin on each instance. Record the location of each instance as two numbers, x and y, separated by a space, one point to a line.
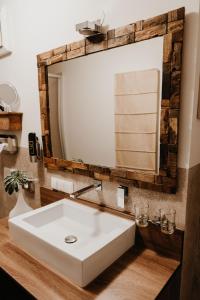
70 239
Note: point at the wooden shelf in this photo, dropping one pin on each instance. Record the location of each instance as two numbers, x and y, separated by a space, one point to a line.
11 121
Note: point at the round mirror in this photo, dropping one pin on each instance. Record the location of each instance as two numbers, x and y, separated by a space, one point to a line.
9 99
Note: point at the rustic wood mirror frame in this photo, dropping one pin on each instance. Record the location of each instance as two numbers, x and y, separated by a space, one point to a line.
170 25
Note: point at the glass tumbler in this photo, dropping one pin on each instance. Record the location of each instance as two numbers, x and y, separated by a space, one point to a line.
167 220
141 214
154 216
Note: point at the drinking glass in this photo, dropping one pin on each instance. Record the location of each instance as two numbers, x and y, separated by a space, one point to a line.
141 214
167 220
155 216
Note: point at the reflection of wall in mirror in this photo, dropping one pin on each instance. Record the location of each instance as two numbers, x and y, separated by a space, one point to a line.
56 141
88 98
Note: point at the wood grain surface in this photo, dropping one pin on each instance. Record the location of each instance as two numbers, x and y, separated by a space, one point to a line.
10 121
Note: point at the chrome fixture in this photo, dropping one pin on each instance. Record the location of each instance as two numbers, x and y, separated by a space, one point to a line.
122 194
94 31
30 185
88 28
95 186
70 239
8 143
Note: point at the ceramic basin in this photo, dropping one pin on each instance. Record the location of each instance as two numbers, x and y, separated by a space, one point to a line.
101 238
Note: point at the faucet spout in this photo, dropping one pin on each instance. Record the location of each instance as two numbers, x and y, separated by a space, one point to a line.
95 186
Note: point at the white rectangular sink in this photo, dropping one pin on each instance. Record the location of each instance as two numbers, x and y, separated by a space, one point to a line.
101 238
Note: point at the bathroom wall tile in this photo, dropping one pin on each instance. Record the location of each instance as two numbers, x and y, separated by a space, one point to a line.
108 196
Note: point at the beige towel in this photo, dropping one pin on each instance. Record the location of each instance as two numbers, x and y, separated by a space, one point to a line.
136 119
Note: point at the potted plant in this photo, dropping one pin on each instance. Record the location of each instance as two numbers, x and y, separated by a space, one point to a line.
13 184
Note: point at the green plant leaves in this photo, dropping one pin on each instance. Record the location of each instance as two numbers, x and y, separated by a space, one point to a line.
14 180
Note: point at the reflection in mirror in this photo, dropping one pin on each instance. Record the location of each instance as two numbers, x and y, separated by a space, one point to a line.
105 107
9 98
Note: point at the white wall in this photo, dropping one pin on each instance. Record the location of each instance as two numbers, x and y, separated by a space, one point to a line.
88 101
37 26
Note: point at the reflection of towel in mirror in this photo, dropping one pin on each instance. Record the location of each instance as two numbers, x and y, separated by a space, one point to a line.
4 106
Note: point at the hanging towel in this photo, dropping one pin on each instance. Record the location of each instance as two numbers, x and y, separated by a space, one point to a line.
137 120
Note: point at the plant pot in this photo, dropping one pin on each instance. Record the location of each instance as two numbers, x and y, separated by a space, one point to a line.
20 207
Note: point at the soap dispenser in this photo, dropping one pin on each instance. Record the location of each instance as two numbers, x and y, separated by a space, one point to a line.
34 147
122 194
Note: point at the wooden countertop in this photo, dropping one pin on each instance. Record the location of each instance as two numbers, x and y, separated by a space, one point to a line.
139 274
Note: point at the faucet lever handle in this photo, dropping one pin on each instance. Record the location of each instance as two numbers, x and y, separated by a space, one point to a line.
125 188
122 193
98 185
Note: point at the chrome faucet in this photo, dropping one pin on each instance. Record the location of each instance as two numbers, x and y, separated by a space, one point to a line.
96 185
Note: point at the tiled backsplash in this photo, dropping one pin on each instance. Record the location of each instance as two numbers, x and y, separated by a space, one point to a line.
107 196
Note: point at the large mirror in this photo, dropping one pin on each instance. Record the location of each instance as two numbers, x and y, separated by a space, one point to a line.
105 108
113 115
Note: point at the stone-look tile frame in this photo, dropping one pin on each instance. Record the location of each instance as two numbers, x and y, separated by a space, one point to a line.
170 25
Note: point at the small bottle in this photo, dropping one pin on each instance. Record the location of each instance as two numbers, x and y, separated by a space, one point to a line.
38 150
32 142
